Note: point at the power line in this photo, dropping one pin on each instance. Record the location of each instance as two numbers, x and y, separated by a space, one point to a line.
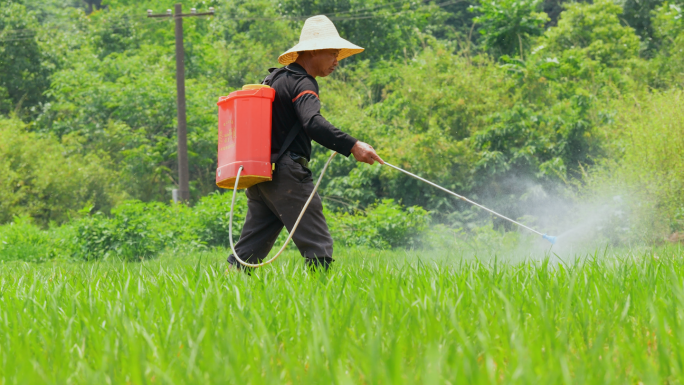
336 18
396 13
357 14
350 11
60 26
351 17
35 31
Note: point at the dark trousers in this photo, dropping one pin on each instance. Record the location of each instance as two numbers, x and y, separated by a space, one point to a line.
272 205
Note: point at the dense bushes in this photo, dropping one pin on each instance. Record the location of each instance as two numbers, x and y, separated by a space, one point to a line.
137 230
47 179
24 70
498 131
134 230
382 225
22 239
645 166
512 112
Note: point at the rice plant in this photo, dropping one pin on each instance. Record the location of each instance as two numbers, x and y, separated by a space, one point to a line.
376 318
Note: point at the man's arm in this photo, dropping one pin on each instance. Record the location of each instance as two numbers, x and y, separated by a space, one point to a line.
308 108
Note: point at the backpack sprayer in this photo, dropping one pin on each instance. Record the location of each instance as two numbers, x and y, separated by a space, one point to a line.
244 145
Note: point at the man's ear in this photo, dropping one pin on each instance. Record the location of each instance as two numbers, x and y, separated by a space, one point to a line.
304 54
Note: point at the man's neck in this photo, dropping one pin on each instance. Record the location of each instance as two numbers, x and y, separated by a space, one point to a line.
307 66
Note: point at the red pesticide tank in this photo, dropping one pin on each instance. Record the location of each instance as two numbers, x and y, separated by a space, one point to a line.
244 136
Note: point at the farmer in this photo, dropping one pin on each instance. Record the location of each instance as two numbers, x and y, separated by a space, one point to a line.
296 121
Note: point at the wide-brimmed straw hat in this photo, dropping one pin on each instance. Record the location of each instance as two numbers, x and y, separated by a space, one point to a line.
319 33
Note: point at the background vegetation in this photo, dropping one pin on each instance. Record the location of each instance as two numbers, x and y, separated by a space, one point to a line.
517 104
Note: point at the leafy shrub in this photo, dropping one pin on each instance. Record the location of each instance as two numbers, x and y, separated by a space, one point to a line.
383 225
507 25
645 163
137 230
211 216
669 29
24 77
589 48
593 32
22 240
42 177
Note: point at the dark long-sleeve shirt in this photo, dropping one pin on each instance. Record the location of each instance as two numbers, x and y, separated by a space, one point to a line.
297 98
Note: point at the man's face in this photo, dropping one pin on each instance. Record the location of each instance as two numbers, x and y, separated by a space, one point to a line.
324 61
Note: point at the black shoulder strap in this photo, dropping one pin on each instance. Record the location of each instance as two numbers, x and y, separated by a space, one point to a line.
288 141
276 73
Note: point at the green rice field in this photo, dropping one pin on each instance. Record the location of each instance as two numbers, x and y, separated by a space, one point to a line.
402 317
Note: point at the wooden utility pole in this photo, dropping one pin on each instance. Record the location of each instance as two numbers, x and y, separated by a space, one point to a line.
183 169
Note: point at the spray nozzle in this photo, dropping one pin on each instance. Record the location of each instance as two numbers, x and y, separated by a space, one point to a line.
550 238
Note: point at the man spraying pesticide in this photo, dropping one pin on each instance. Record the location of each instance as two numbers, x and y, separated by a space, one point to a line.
296 120
265 134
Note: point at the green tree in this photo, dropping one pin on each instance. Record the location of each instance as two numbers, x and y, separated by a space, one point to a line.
638 14
387 29
23 78
668 63
593 31
47 179
508 25
589 51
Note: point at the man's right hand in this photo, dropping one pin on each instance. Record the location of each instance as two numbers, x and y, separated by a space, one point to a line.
364 152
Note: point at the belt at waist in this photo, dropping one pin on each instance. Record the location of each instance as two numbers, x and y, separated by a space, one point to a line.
295 157
298 159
